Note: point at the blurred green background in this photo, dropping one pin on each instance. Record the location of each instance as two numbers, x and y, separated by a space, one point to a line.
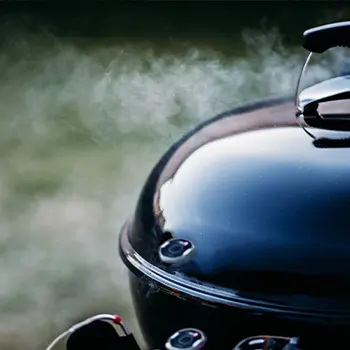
90 97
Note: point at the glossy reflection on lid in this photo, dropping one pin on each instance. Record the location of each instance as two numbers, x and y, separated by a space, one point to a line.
266 206
266 210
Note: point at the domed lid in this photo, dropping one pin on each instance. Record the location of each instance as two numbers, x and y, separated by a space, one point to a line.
263 205
266 211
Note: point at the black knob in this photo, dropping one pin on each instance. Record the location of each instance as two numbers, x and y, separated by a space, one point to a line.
175 251
189 339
